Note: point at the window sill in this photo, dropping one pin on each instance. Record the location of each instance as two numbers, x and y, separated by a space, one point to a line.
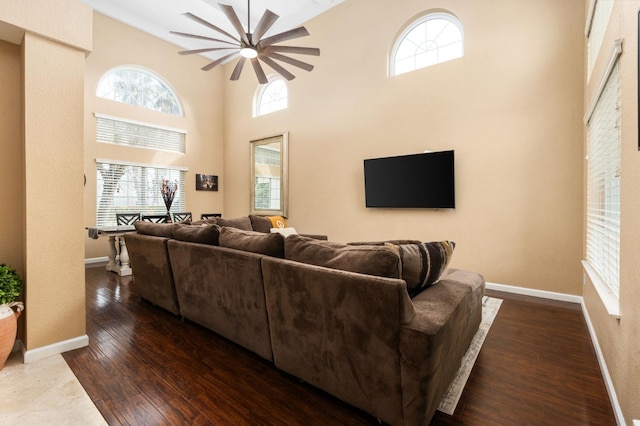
610 300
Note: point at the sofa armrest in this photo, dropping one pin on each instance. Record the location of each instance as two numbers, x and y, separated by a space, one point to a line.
433 343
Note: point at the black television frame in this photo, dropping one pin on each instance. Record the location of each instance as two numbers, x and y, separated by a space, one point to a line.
394 182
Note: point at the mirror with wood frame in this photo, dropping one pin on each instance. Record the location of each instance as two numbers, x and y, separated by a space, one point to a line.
269 179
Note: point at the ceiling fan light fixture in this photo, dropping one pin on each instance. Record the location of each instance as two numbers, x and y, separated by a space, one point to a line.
252 45
249 52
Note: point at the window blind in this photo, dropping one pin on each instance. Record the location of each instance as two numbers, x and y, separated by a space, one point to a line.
128 187
596 29
131 133
603 184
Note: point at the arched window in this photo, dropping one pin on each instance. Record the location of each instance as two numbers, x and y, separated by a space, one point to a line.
430 40
271 97
137 86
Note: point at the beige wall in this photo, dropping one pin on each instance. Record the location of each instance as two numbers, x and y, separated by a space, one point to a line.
200 92
64 21
511 109
53 92
47 163
620 339
11 163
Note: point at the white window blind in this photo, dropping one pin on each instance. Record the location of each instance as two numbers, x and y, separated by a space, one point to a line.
127 187
596 29
603 184
131 133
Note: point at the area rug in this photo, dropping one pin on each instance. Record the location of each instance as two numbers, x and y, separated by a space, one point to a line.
490 307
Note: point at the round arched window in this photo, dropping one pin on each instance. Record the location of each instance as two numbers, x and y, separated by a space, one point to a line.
430 40
137 86
271 97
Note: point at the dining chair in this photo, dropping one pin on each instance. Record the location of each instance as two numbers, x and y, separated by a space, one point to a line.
210 215
127 218
182 216
155 218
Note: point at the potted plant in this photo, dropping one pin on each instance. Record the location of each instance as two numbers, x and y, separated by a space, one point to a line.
10 288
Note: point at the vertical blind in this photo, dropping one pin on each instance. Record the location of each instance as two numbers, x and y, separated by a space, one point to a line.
127 187
603 184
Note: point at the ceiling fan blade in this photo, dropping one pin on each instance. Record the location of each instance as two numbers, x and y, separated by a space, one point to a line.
267 20
238 69
287 35
291 61
201 37
262 78
277 67
293 49
219 61
210 25
235 21
197 51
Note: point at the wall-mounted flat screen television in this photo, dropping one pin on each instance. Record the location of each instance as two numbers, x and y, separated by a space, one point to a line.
411 181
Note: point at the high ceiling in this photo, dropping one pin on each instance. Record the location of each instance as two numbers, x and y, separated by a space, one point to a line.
158 17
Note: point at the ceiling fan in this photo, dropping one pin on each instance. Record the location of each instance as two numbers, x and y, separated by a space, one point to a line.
252 46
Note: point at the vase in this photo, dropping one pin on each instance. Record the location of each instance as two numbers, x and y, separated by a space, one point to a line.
8 329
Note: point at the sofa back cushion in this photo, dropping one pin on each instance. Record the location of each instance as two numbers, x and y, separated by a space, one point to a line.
242 222
422 264
155 229
204 234
266 223
260 223
378 260
256 242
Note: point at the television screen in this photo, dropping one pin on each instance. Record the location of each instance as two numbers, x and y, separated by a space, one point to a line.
411 181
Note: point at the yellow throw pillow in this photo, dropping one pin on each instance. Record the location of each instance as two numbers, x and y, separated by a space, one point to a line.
278 221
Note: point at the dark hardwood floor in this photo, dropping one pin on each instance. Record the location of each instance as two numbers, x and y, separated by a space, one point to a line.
145 366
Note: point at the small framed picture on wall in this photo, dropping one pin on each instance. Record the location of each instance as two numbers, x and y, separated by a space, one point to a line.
206 182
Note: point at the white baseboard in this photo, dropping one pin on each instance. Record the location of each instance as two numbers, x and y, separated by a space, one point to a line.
54 349
615 404
594 339
563 297
96 260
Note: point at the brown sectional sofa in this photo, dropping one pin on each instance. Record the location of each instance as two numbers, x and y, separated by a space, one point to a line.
355 335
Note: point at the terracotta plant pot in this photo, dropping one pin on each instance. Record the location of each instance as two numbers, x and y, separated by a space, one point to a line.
8 328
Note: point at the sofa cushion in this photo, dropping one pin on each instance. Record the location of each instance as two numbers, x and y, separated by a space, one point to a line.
377 260
205 234
423 263
260 223
277 221
210 221
266 223
256 242
242 222
155 229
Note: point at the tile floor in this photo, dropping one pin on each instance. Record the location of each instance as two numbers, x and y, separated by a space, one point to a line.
44 393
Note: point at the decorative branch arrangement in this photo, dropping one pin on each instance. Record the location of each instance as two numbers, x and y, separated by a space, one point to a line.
168 192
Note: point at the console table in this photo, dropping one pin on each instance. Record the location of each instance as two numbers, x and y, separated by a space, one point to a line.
121 265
